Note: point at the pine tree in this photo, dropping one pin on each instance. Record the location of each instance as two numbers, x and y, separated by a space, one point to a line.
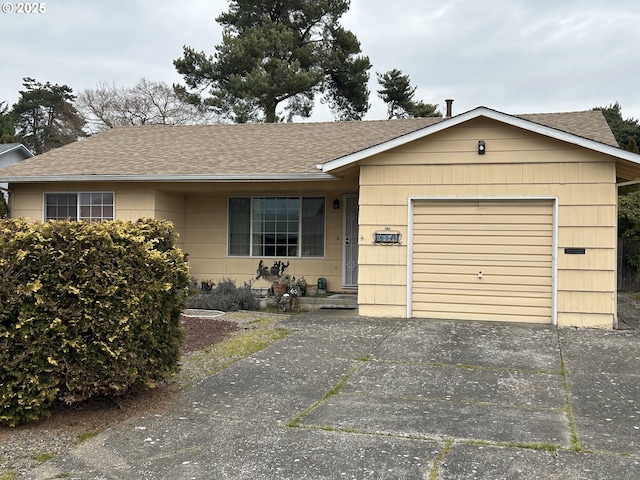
276 54
398 93
45 117
7 127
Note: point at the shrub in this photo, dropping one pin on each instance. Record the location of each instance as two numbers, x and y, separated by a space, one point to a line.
225 296
88 309
4 208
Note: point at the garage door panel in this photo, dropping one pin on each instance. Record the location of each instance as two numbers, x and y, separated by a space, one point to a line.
483 316
511 282
522 228
510 242
513 239
488 309
485 297
442 262
488 220
473 248
487 207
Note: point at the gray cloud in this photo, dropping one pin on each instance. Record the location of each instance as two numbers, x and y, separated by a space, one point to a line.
515 56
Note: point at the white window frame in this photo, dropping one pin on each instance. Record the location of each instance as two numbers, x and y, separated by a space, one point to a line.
299 255
78 205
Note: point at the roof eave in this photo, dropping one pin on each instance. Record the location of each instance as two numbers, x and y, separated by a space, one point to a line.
20 147
470 115
244 178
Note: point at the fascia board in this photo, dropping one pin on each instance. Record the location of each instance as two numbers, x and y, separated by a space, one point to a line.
248 178
20 147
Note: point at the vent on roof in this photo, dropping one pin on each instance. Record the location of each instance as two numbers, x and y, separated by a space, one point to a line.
449 102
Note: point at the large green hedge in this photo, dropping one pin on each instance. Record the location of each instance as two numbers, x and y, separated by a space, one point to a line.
87 310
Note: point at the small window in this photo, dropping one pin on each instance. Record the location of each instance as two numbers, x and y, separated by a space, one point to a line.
88 206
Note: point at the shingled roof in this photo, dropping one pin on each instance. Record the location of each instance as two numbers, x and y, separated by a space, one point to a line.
223 150
590 124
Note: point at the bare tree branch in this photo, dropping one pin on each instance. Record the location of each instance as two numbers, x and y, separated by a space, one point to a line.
146 103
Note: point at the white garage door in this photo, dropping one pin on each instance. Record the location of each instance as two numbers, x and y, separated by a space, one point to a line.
483 260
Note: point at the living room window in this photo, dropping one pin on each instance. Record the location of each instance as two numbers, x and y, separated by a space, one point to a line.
88 206
276 226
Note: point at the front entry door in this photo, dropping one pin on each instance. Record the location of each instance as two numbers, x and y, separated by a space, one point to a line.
350 240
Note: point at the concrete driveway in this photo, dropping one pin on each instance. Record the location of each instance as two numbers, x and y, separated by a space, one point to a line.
360 398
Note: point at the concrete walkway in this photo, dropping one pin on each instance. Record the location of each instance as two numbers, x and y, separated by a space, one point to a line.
359 398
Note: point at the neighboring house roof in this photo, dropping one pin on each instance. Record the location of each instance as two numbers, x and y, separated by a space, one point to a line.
262 152
6 148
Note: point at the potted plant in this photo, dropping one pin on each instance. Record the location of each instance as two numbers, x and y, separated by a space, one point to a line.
261 301
301 286
279 287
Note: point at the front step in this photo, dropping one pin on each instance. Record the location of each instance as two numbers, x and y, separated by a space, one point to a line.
338 301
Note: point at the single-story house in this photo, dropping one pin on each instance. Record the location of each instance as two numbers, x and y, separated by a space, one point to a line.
479 216
11 153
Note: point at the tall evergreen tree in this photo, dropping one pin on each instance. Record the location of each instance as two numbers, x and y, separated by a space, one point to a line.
7 126
627 134
398 93
45 117
275 52
624 130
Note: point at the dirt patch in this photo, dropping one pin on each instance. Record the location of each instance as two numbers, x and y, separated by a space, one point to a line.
202 332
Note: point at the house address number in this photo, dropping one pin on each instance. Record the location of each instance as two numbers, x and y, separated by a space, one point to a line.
387 238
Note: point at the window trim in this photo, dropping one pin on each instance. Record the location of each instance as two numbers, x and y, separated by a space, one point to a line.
283 195
77 193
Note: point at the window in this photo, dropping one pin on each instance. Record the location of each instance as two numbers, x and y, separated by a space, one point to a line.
277 226
89 206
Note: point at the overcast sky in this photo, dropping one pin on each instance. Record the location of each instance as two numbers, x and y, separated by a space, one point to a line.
516 56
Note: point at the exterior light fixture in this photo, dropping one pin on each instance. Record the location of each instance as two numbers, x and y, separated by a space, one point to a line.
336 204
481 147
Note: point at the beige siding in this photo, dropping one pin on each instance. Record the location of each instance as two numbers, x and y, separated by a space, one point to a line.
170 206
134 201
517 164
205 236
199 214
26 201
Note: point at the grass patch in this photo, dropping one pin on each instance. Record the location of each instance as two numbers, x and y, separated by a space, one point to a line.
543 447
575 441
85 436
8 474
216 358
43 457
295 423
437 462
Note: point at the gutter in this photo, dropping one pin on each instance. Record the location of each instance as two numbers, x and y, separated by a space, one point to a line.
242 178
626 184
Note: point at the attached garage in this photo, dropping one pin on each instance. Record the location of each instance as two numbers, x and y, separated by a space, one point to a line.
494 218
482 259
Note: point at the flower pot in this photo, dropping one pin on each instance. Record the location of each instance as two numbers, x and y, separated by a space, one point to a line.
262 302
279 288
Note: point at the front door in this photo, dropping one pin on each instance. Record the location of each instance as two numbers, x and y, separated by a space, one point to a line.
350 250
